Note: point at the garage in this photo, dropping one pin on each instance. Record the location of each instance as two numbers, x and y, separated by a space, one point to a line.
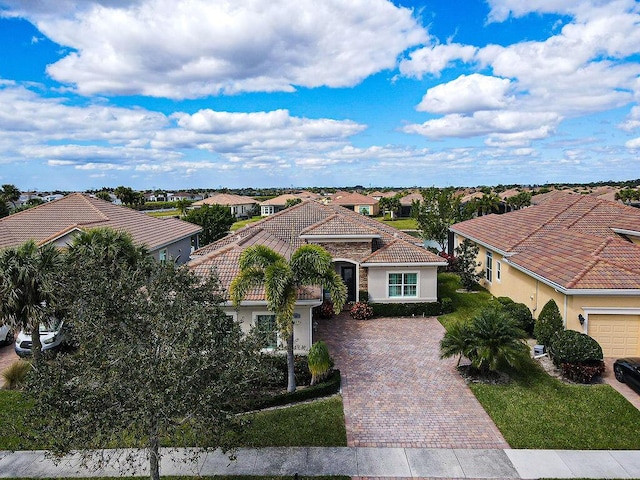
618 335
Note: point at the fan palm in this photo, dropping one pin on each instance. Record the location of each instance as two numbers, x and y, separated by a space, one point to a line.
28 275
281 279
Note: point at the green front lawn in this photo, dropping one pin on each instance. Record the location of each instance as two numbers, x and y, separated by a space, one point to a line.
465 304
318 423
536 410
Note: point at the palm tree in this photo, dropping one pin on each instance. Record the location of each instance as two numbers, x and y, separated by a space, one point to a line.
105 246
488 203
281 279
28 288
458 340
9 193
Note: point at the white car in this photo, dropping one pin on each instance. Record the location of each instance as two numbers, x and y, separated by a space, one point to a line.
51 338
6 335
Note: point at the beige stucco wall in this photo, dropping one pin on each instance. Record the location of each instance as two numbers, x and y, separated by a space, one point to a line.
535 294
302 328
379 280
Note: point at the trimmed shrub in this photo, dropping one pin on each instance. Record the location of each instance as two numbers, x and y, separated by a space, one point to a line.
578 355
428 309
521 314
504 300
16 374
569 346
363 295
330 386
361 311
446 305
276 365
549 322
319 361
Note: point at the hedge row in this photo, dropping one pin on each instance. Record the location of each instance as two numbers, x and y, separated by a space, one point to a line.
429 309
330 386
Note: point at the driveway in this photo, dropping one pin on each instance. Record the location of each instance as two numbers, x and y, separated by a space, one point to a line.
625 390
396 390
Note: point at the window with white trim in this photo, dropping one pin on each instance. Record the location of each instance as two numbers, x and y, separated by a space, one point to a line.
498 270
267 330
403 285
488 271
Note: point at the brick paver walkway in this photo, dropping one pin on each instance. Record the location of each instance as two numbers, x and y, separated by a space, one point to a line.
396 390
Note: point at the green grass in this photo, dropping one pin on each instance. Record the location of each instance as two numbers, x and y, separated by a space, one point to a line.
539 411
319 423
400 223
166 213
465 304
315 424
242 223
536 410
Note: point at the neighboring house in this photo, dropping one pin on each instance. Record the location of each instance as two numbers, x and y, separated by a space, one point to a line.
174 197
369 256
406 203
276 204
58 221
357 202
241 206
578 250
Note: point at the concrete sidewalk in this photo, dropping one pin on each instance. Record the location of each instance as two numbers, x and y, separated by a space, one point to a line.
351 461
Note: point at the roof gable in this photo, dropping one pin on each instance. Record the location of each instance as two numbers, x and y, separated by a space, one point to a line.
52 220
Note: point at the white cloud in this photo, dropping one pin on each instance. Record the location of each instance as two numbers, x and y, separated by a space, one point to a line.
505 124
632 122
467 94
434 59
166 48
633 144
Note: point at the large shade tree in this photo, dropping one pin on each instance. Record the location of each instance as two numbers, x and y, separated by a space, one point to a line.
158 362
309 265
215 220
439 209
29 288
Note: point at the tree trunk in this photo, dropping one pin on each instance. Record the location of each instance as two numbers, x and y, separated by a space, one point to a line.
154 456
291 376
36 344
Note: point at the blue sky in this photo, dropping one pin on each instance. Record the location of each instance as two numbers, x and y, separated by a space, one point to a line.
171 94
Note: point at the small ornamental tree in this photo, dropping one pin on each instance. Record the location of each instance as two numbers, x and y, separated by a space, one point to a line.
548 323
319 362
466 264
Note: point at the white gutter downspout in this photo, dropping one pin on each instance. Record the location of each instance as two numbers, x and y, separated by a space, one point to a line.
564 321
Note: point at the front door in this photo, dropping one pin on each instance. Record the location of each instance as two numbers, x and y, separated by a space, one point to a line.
348 274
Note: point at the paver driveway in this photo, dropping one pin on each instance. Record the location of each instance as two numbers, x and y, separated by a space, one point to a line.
396 390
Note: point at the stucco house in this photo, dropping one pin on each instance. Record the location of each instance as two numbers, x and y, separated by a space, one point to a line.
579 250
276 204
240 205
357 202
369 256
59 221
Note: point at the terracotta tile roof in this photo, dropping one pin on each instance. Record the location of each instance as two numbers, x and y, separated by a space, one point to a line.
408 200
226 199
52 220
402 252
282 232
281 200
353 199
567 239
339 225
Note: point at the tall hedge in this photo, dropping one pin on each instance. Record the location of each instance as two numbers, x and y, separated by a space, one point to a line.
549 322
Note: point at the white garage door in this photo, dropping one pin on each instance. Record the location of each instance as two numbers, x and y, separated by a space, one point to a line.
618 335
